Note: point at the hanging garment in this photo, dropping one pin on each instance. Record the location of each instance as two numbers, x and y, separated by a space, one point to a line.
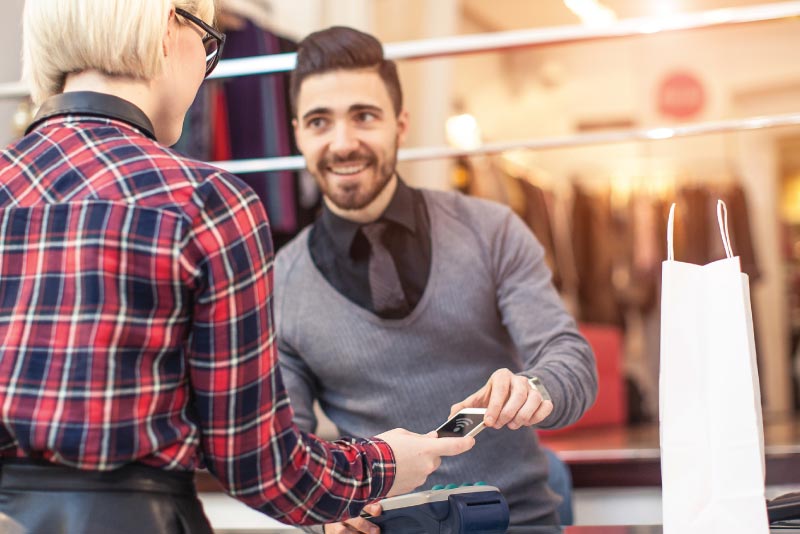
637 267
560 207
249 117
537 216
592 237
259 123
694 222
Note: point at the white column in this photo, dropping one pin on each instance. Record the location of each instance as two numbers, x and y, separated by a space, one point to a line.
761 178
427 84
296 18
354 13
433 95
10 63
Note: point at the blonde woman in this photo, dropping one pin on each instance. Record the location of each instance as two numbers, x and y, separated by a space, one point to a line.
135 301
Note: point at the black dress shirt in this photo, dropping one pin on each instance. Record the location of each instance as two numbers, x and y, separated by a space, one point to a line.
341 252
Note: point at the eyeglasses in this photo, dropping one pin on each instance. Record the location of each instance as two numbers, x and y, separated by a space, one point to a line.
213 40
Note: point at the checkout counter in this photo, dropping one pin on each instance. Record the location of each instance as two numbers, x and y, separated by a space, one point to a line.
602 461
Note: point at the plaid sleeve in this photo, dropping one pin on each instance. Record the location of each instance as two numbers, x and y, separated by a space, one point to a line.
248 439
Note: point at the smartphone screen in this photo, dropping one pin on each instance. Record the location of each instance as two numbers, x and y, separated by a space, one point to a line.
461 424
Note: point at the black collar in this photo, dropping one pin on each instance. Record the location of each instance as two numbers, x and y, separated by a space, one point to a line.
400 210
96 105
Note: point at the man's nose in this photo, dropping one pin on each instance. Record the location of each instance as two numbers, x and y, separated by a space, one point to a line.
344 140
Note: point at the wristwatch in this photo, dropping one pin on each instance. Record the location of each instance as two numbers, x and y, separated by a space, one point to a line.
536 385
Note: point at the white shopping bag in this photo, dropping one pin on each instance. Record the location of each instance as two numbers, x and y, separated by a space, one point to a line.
712 437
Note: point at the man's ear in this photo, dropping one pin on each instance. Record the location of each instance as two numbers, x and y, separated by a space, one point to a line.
402 126
297 137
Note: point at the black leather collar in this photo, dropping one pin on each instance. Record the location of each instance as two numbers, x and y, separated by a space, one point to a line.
95 105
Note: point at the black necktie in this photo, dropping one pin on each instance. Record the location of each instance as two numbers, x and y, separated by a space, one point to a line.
384 282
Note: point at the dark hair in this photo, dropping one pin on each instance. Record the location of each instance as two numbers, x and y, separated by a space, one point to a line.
340 47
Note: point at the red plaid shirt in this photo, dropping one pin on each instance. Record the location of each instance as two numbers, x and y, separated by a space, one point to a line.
136 324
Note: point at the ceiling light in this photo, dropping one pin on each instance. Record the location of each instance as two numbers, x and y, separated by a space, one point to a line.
463 132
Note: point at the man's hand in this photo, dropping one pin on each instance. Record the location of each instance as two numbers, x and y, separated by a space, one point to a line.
417 456
509 400
357 524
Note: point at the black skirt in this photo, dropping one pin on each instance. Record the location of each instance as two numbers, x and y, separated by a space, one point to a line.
49 499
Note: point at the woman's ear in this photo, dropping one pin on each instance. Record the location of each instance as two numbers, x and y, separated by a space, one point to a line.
165 42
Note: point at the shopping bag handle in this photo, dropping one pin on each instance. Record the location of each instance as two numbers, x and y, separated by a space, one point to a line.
722 220
670 228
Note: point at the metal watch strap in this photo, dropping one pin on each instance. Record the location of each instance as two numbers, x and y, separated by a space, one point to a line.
536 384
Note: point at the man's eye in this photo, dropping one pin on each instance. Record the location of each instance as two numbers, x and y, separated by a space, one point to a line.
366 116
316 123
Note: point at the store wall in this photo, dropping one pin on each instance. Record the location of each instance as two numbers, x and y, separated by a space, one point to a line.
10 64
550 91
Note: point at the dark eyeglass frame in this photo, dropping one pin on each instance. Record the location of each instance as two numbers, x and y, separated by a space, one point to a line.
211 33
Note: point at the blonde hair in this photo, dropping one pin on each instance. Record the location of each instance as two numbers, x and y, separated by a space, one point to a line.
114 37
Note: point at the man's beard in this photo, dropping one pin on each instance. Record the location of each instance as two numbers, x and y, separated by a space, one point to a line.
361 195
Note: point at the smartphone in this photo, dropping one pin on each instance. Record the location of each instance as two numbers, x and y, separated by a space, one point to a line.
467 422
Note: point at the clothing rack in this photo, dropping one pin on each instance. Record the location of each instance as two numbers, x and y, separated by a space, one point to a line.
13 90
486 42
244 166
465 44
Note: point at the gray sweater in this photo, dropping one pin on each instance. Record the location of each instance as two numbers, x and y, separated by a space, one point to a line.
488 304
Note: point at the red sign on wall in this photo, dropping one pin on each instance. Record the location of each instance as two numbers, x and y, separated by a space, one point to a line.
681 95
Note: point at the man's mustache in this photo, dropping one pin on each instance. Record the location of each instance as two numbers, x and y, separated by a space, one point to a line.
354 157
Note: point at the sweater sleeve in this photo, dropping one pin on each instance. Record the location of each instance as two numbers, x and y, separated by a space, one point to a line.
542 330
